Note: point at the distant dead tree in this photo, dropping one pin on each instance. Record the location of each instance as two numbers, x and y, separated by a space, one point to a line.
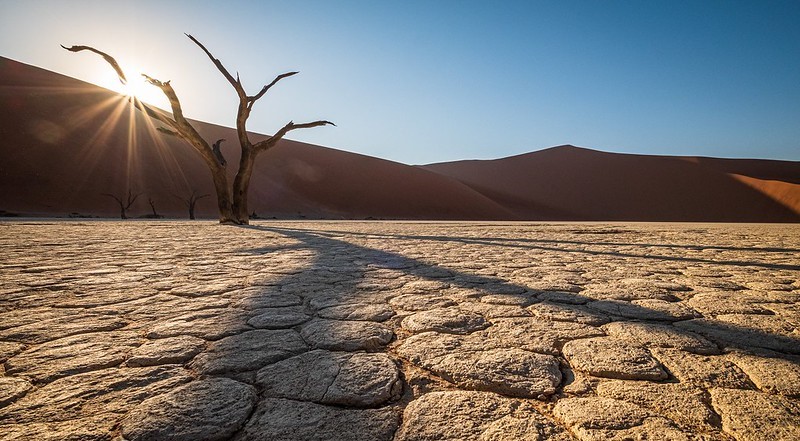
124 204
231 200
155 214
191 201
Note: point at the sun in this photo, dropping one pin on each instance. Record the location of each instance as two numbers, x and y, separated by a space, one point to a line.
135 87
138 87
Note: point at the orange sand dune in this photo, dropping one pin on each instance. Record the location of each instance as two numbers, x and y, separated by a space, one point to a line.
763 169
785 193
568 182
64 142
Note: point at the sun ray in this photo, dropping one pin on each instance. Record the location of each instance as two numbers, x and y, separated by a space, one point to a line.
91 152
131 150
165 154
84 115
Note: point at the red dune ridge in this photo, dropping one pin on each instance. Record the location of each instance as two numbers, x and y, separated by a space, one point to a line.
65 142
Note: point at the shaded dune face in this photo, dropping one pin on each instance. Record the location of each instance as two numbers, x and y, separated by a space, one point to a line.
568 182
66 142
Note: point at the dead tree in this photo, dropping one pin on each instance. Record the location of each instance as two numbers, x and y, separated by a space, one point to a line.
124 204
191 201
155 214
231 200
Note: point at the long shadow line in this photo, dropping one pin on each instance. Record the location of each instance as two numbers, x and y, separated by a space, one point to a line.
504 242
576 242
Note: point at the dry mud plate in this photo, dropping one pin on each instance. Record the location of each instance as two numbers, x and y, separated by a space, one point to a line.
398 331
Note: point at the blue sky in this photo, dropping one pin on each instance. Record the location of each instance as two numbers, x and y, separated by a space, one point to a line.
428 81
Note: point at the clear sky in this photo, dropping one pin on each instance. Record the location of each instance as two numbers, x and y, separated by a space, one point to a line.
428 81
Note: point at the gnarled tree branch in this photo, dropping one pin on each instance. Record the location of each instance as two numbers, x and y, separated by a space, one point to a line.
235 82
252 99
269 143
243 112
182 126
109 59
169 92
245 102
167 131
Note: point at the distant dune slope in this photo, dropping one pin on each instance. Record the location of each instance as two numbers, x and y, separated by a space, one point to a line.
568 182
65 142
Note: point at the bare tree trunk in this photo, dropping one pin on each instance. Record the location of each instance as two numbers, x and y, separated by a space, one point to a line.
241 186
153 208
224 204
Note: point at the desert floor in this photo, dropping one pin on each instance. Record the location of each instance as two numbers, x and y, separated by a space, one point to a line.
398 331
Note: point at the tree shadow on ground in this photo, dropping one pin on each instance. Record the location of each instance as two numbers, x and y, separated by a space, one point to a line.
330 248
540 244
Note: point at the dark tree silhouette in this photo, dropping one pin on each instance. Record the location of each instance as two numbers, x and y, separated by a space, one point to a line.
231 200
124 204
191 201
155 214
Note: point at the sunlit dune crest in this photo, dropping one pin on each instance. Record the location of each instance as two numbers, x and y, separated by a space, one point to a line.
785 193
